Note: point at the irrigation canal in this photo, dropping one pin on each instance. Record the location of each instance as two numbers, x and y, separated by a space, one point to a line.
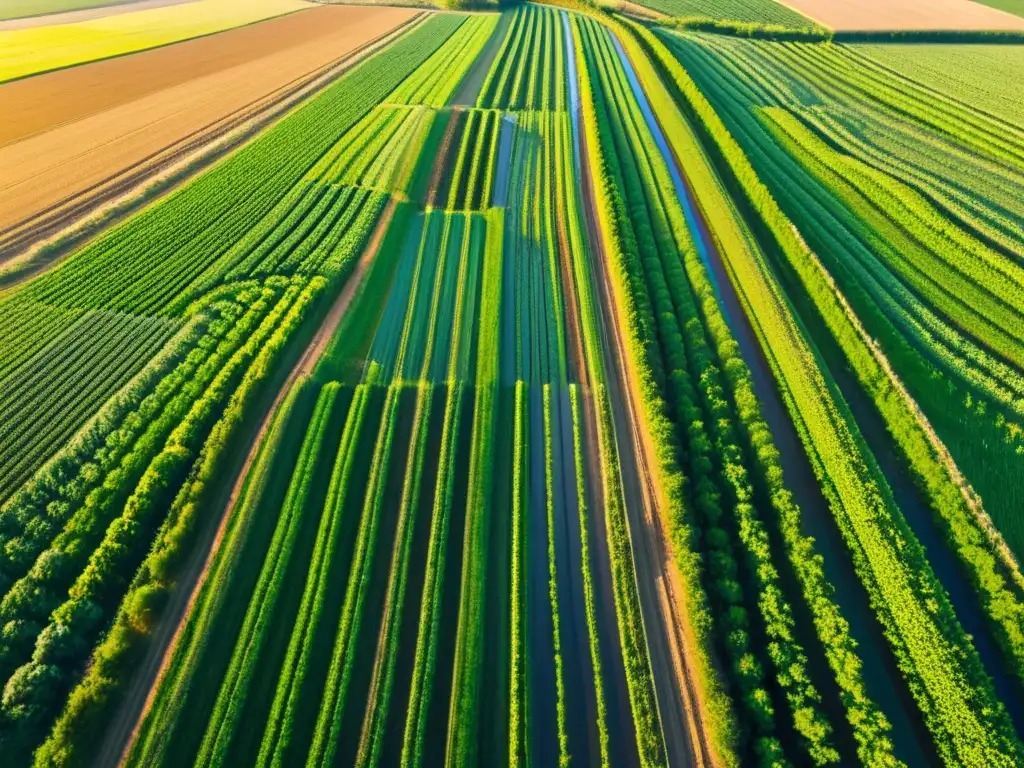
881 674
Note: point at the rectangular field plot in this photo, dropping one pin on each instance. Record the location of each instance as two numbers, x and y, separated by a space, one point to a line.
441 471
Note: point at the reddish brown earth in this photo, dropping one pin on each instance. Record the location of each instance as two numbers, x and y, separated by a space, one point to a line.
65 133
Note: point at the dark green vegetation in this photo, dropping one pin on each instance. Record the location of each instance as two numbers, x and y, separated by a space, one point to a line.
994 582
411 572
910 205
661 404
93 541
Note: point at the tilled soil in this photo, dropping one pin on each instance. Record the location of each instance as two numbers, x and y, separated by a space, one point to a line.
71 130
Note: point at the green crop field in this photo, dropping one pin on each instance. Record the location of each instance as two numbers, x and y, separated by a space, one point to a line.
548 387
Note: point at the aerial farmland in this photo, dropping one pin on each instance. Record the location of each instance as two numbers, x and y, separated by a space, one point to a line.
582 383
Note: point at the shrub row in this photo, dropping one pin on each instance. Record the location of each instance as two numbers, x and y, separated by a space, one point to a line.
667 475
95 695
919 638
969 537
183 680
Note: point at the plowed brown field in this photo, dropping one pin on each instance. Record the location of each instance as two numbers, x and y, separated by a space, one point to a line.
905 14
65 132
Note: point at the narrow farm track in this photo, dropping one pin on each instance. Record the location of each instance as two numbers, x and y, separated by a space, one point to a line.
679 705
145 683
144 143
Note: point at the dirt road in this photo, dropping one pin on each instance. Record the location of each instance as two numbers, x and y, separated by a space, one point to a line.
203 83
139 694
668 635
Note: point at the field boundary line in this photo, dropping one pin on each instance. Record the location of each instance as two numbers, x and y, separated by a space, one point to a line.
971 498
113 56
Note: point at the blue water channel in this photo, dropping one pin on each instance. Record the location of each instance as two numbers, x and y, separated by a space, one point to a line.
677 179
910 502
574 91
911 740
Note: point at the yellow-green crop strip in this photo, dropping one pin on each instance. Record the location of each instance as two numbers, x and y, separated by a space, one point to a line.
25 52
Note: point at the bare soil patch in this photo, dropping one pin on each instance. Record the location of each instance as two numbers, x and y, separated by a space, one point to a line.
844 15
200 84
38 104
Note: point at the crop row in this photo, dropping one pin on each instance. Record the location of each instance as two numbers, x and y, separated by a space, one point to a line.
27 327
333 654
472 179
90 498
965 533
925 326
464 711
631 631
348 539
100 591
470 630
197 641
748 11
57 389
723 496
123 500
434 83
917 150
982 197
832 629
160 254
528 72
32 517
971 396
379 151
245 661
536 302
961 277
911 605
